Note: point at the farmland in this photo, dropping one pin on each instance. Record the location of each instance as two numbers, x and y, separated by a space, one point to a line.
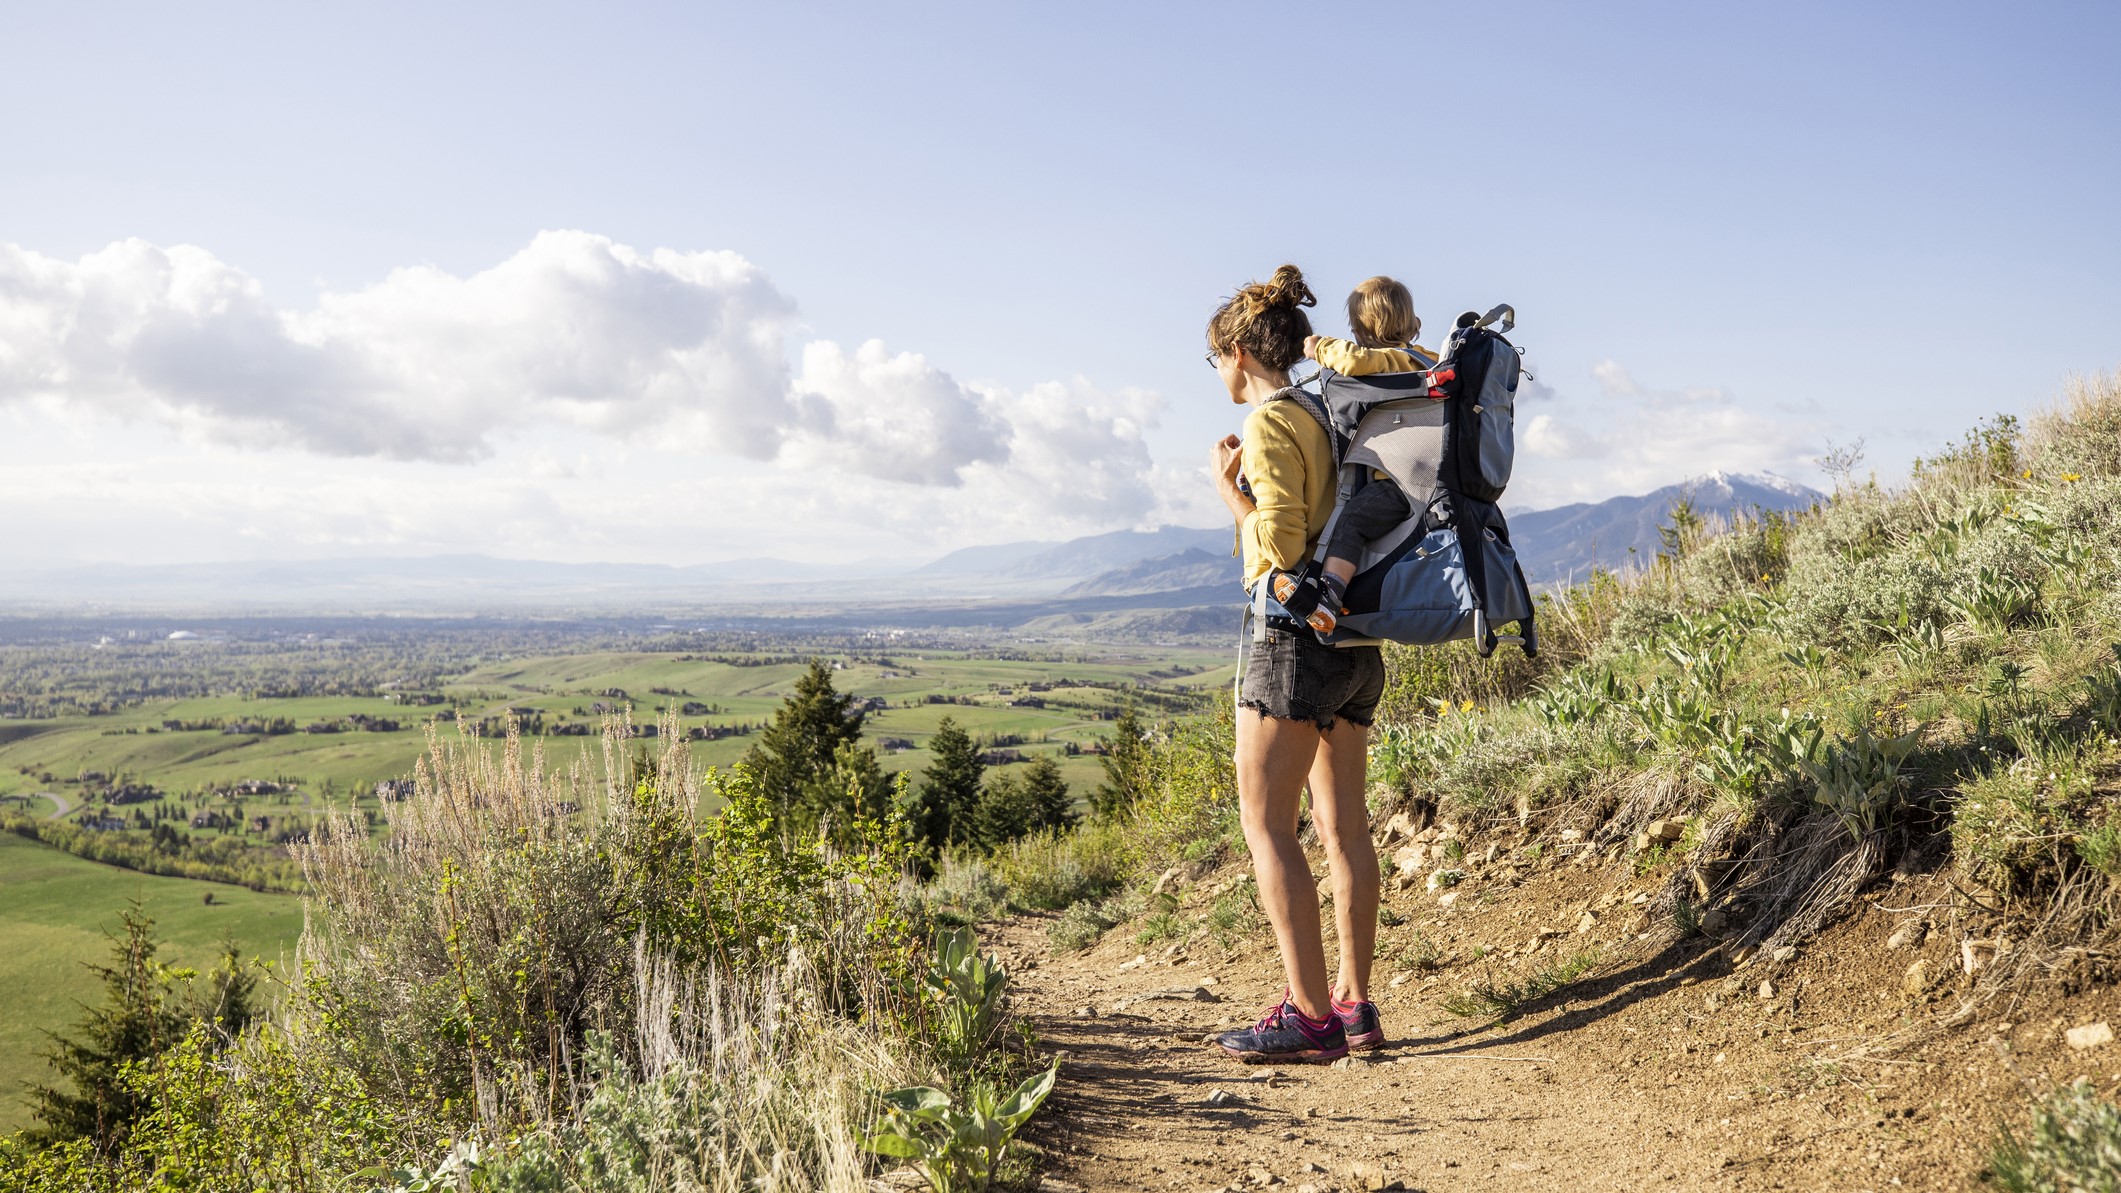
235 741
54 910
161 730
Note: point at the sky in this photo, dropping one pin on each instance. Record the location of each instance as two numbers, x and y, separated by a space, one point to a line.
702 282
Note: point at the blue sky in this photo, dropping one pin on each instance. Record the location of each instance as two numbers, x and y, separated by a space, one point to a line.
1732 234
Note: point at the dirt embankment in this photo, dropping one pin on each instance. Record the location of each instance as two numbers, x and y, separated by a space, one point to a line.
1664 1066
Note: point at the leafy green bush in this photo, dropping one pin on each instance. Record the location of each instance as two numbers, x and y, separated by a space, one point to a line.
2074 1144
959 1149
1053 870
965 988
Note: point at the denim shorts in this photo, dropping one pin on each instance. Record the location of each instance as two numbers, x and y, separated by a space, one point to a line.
1295 677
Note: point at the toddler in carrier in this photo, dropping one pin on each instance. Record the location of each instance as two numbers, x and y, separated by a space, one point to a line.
1381 313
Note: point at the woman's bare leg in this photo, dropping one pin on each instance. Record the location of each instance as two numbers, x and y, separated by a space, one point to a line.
1273 755
1339 806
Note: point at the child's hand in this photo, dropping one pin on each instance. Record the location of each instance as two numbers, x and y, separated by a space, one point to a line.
1310 347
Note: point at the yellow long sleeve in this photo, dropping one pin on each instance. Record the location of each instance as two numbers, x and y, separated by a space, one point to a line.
1351 359
1288 461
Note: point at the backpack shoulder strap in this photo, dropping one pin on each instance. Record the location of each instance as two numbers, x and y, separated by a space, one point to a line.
1315 406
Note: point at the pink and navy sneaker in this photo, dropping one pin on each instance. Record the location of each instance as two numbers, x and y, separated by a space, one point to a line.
1286 1036
1359 1020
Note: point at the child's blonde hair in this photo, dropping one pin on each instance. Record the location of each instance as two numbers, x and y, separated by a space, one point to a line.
1381 313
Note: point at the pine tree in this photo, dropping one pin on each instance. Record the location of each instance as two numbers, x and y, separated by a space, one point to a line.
139 1019
944 812
854 787
231 996
1005 812
1052 806
1126 760
797 749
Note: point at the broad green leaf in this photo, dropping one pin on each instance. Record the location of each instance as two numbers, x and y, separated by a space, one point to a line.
1029 1095
918 1100
891 1143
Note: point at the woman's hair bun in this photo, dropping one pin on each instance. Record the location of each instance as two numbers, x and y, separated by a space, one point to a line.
1287 289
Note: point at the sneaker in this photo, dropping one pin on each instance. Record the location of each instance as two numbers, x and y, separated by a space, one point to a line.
1359 1019
1299 593
1282 1036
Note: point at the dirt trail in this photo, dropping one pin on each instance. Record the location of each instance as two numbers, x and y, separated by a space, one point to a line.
1661 1070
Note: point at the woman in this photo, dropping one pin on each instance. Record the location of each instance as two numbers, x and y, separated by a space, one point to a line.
1304 708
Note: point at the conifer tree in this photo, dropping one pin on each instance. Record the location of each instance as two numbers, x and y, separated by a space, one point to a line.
1052 805
795 752
1006 811
854 786
949 790
139 1019
1126 767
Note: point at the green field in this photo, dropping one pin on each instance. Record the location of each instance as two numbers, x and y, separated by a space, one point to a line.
54 909
335 768
54 906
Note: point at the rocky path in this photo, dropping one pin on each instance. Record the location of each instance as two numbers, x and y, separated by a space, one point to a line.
1659 1071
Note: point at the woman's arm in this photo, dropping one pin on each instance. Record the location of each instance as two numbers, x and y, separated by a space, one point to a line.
1277 527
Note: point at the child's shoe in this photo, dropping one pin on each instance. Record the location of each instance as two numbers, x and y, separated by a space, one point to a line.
1300 593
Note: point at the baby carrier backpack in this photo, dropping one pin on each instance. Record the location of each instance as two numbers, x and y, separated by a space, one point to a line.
1444 435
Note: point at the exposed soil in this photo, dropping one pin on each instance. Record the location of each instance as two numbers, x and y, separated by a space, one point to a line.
1663 1067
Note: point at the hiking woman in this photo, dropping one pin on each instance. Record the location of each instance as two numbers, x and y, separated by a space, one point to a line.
1304 708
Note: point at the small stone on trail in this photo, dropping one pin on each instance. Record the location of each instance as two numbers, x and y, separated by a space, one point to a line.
1917 979
1140 959
1053 1184
1219 1097
1665 830
1586 922
1182 994
1767 989
2090 1035
1401 980
1447 898
1787 952
1713 922
1260 1176
1313 1168
1086 1011
1907 935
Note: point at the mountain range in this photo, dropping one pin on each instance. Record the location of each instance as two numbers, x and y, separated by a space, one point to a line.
1097 573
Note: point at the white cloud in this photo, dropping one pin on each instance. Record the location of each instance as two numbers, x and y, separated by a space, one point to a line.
1635 438
1614 381
561 404
423 365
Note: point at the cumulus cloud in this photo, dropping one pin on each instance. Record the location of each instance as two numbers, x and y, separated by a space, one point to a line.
678 354
1636 437
422 365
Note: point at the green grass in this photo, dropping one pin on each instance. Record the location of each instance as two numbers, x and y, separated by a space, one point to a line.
331 768
1502 1000
54 908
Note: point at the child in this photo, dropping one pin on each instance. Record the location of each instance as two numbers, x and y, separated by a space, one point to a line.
1381 312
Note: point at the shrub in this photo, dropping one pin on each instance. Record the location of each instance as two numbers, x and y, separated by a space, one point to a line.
1052 870
2074 1144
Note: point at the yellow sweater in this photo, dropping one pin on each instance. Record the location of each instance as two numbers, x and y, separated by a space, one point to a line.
1351 359
1288 461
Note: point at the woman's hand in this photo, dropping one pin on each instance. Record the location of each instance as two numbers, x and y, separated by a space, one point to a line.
1227 460
1310 347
